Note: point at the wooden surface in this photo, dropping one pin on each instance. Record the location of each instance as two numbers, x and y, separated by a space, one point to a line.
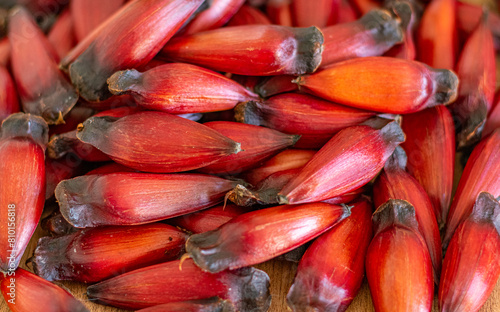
281 274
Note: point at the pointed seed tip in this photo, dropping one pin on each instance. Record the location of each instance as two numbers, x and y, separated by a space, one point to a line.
184 257
237 148
295 138
299 81
121 81
347 210
283 200
60 119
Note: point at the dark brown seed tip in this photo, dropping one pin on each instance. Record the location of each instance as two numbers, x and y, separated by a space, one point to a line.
446 86
241 196
404 11
93 129
26 125
310 47
58 147
255 290
393 133
91 86
49 261
205 249
249 113
56 105
237 148
487 209
299 81
394 212
398 159
470 112
385 27
295 138
70 194
123 81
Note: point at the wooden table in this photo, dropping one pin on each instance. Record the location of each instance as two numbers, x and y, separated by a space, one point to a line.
281 274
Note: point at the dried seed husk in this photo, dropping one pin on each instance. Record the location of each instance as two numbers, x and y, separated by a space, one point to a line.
214 304
430 146
398 265
24 291
372 35
8 95
179 88
471 266
248 15
369 83
274 50
138 30
265 192
257 144
330 273
395 183
481 174
43 89
247 289
292 113
128 198
93 255
348 161
261 235
22 191
437 42
133 141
